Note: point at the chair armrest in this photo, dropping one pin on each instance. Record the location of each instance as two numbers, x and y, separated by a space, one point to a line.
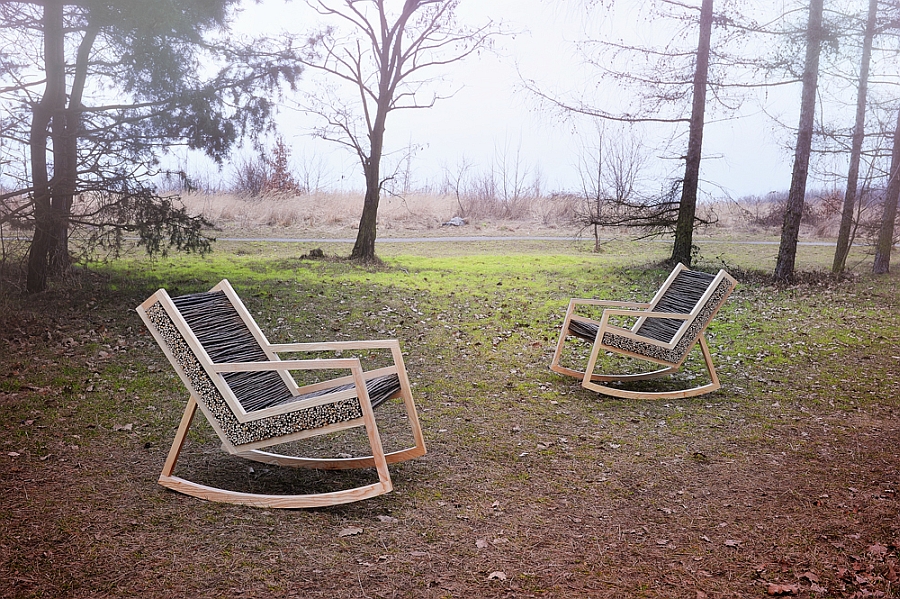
596 302
647 314
333 346
348 363
606 326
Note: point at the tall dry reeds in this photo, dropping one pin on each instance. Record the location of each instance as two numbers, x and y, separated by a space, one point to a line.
341 210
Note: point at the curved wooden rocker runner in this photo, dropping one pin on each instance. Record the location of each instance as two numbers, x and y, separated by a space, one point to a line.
248 395
664 332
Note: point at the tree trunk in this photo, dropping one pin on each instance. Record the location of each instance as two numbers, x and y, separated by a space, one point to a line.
65 158
684 228
886 234
790 230
364 248
843 240
49 112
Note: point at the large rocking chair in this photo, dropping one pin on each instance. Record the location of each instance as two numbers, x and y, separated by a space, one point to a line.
248 395
664 332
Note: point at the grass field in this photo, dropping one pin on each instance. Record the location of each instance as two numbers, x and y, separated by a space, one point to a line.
784 482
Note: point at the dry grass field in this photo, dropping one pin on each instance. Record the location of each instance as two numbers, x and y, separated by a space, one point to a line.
328 214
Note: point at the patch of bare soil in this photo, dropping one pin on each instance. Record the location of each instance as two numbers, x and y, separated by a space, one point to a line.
760 489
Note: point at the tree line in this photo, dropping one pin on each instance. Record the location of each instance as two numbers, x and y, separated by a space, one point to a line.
715 54
96 92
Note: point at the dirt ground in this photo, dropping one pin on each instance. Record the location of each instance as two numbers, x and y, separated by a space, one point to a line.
775 485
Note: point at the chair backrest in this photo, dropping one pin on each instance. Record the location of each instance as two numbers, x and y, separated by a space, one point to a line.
226 337
198 330
685 291
680 294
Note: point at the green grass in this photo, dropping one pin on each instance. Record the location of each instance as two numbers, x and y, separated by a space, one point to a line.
478 324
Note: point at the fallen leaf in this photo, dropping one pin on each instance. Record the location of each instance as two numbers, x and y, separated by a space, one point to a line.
877 549
481 544
123 427
782 589
351 531
732 543
497 576
14 454
810 577
419 553
388 519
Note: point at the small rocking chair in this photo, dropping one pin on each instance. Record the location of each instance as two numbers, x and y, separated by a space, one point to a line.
666 330
247 394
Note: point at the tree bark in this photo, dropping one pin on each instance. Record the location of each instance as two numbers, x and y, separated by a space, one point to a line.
790 230
843 240
364 248
886 234
65 158
48 113
684 227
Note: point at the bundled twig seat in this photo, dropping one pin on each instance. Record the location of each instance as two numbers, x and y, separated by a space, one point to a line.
248 395
664 332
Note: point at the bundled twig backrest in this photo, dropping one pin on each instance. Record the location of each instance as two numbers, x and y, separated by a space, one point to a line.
690 292
681 297
226 338
212 398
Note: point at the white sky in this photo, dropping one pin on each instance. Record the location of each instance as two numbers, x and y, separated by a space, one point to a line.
491 115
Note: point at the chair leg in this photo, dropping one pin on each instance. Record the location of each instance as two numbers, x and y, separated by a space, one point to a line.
311 500
564 332
693 391
178 442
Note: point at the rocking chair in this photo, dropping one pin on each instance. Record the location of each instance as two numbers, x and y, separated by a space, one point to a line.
665 331
248 395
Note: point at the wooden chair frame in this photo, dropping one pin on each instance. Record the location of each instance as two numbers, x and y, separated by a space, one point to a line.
688 334
320 397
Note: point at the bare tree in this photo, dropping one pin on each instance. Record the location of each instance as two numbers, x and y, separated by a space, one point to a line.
382 60
684 227
611 172
675 76
886 233
790 230
843 239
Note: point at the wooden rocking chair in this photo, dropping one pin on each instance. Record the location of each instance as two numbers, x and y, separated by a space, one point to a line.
665 331
247 394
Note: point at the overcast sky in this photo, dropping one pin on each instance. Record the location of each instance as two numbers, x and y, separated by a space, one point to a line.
490 115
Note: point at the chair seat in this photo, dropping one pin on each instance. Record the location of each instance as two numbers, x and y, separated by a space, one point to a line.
584 330
380 389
